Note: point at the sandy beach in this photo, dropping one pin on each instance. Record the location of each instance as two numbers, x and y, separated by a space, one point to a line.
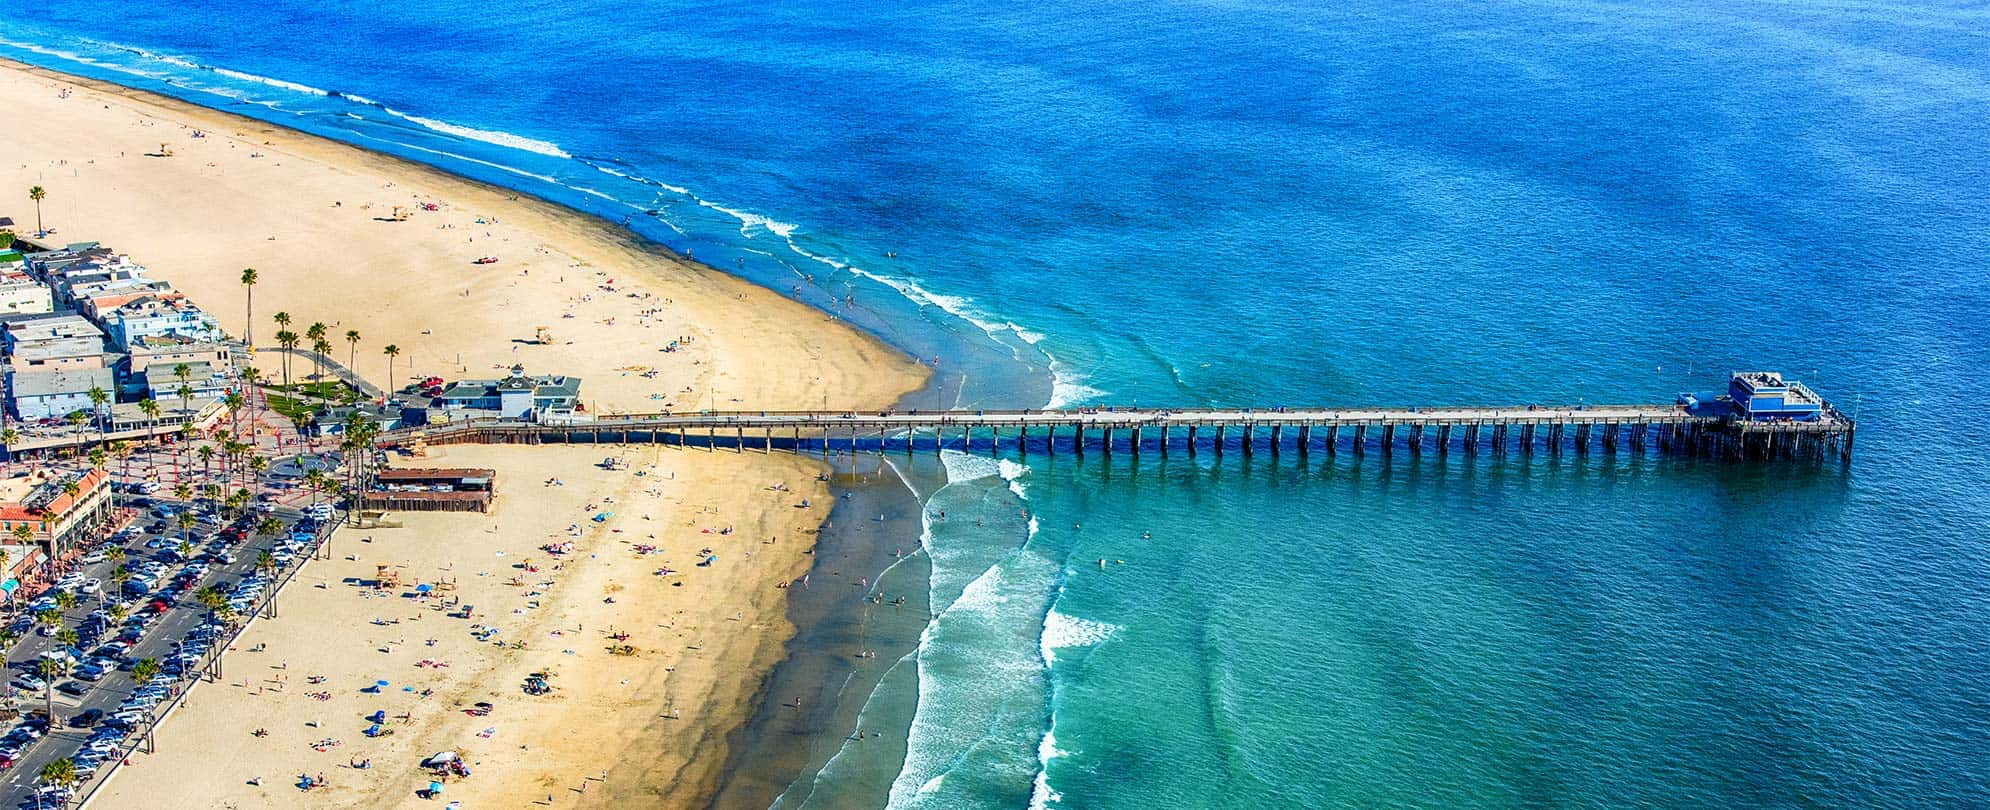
315 218
310 215
652 722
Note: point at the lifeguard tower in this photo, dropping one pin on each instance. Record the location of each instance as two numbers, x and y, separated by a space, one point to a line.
386 577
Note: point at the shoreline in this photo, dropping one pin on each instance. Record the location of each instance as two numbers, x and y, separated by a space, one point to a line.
740 331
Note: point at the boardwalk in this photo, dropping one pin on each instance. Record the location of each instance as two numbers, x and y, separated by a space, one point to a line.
1635 428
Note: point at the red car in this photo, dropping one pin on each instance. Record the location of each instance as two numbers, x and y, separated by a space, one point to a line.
157 606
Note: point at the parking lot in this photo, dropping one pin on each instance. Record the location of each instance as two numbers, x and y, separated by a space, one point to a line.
99 710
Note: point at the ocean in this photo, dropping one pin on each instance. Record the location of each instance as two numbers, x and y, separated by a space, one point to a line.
1277 203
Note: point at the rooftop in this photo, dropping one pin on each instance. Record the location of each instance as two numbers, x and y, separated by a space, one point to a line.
52 325
47 348
160 376
417 474
40 493
56 383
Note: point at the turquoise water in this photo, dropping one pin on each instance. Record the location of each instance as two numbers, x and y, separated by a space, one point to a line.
1281 203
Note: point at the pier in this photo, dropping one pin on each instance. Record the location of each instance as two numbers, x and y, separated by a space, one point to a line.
1668 429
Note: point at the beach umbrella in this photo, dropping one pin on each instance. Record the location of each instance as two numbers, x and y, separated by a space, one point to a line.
424 588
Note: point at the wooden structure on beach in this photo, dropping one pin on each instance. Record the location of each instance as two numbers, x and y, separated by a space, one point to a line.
456 489
1671 429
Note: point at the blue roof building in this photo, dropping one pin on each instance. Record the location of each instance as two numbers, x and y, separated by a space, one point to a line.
1764 396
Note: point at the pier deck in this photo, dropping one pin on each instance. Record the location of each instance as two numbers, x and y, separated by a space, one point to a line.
1635 428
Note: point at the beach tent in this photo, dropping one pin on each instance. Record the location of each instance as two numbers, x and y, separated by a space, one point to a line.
440 759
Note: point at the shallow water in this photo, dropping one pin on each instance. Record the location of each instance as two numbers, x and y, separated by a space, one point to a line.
1281 203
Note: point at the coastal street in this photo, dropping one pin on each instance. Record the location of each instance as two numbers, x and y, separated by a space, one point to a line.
161 624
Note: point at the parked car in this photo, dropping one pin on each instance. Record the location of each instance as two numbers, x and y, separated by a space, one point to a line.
86 719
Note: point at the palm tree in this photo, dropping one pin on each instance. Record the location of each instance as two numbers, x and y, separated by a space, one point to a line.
316 334
37 193
49 670
6 238
265 561
120 575
64 600
121 450
249 306
60 773
115 554
234 400
257 464
321 351
8 435
117 612
206 453
269 526
183 491
315 479
98 396
68 637
145 670
352 350
392 351
211 597
186 521
149 407
288 340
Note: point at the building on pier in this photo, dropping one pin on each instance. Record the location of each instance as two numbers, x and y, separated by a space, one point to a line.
1764 396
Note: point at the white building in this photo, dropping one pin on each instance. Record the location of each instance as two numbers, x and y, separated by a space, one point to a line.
56 394
20 294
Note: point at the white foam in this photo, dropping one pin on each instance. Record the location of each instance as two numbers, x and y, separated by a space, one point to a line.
1068 388
496 138
499 166
1063 632
749 220
1041 794
966 467
251 77
1013 473
639 178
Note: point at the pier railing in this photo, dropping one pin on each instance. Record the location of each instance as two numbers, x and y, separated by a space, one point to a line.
1636 428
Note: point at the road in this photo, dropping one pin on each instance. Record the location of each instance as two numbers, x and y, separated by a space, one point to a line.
107 694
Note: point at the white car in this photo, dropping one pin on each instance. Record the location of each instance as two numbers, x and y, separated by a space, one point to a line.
93 585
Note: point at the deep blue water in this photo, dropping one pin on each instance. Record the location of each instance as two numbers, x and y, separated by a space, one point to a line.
1277 203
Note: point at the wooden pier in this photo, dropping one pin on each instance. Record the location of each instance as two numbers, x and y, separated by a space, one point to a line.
1666 429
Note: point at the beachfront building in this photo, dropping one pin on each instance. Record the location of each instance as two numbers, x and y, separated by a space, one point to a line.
517 396
205 381
78 266
130 417
151 316
14 332
1764 396
333 421
96 299
40 395
59 354
58 515
17 562
459 489
169 351
21 294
